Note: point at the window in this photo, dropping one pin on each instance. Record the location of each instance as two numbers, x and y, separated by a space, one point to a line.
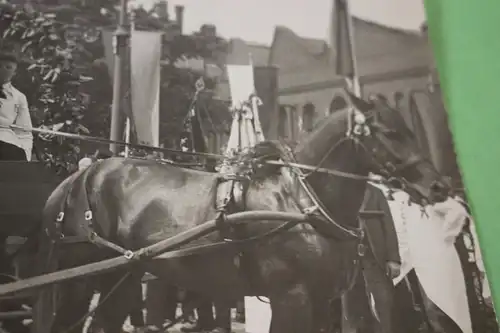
211 141
308 112
398 100
417 124
338 103
282 122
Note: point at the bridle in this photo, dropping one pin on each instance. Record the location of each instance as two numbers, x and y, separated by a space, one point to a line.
360 126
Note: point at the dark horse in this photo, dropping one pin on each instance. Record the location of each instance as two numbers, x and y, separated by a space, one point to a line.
133 203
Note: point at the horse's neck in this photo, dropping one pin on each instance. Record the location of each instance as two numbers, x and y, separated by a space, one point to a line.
341 196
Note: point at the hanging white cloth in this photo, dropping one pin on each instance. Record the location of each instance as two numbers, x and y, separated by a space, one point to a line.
426 243
438 266
246 130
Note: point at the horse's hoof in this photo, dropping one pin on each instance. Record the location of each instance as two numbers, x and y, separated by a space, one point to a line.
220 330
148 329
194 328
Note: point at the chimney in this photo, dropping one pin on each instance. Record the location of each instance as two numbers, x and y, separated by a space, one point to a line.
179 17
209 30
161 10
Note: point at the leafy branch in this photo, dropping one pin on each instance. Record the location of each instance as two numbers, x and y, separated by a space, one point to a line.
67 82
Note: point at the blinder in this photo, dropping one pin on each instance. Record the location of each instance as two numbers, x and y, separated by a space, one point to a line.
379 132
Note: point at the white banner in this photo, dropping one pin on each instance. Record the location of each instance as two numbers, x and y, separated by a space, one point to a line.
145 56
241 83
426 244
246 130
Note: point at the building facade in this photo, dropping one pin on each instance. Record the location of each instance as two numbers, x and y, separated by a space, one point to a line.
391 62
298 82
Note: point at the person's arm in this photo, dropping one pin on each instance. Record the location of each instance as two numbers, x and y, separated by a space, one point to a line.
23 119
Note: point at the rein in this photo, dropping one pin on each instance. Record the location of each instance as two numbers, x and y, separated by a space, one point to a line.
313 169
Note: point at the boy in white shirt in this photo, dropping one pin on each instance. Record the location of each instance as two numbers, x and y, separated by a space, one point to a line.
15 145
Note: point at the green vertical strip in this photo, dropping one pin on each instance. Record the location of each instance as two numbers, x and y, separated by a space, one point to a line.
466 44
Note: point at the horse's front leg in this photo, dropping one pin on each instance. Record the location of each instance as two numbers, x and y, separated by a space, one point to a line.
292 310
74 299
116 301
322 315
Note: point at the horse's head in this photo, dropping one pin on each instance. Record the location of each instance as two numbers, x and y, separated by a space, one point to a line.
393 151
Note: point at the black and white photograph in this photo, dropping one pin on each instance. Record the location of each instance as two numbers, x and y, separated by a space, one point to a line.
218 166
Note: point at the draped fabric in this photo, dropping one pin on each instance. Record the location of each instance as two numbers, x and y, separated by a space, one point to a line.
426 239
246 130
145 56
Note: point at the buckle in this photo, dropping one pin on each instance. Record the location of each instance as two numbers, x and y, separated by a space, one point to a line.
361 249
128 255
310 210
60 217
88 215
361 233
92 236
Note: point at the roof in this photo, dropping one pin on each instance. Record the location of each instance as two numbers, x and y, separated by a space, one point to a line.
313 54
318 47
260 53
376 25
239 51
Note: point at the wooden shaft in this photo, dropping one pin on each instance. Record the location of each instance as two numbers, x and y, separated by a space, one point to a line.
149 252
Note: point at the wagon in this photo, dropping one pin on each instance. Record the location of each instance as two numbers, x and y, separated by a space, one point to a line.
25 186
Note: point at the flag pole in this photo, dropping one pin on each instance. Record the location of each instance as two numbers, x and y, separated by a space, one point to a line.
345 54
127 123
352 81
120 42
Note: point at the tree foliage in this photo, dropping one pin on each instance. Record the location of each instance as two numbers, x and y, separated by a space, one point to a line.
67 83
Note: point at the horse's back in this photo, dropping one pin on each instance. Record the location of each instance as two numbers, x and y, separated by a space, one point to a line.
132 198
156 200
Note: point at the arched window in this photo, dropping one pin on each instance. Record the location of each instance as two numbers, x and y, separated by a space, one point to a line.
212 142
308 112
338 103
398 100
282 122
417 123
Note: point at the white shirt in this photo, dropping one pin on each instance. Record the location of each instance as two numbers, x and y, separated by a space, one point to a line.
14 111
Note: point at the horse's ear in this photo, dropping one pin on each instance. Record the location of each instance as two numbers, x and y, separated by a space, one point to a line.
359 103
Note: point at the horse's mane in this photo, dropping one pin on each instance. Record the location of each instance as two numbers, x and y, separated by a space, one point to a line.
251 162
